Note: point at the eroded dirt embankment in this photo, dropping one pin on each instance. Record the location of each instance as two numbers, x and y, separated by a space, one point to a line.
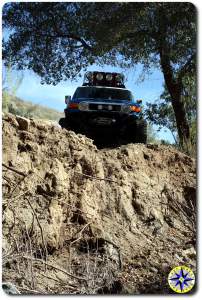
81 220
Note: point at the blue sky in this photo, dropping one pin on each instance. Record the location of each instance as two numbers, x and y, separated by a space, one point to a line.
53 96
148 89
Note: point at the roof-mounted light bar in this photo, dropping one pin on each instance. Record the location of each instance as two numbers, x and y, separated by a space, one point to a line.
104 79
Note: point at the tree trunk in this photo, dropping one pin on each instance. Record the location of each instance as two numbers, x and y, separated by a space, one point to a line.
174 85
175 90
180 114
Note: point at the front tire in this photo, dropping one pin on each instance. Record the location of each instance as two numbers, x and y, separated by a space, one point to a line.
141 131
68 124
136 132
63 123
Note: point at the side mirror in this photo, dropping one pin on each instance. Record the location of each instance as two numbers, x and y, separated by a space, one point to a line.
139 101
67 99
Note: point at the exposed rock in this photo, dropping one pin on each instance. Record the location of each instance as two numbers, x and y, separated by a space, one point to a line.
23 123
189 253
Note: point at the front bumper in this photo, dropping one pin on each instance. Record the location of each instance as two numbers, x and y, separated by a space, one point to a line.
100 119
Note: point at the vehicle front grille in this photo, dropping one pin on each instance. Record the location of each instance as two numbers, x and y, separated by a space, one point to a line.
105 107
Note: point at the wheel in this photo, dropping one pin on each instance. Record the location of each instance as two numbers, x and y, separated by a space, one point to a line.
63 122
68 124
136 132
141 131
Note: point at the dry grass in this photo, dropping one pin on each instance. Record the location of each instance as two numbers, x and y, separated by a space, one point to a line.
34 268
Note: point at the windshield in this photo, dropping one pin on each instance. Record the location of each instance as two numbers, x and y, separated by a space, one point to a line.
103 93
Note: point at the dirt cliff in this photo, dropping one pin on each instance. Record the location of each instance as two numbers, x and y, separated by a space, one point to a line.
79 220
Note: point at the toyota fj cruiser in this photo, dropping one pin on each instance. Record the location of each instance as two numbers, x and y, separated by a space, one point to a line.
103 103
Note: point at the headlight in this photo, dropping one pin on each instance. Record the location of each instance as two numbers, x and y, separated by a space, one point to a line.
125 109
120 77
89 75
83 106
99 76
109 77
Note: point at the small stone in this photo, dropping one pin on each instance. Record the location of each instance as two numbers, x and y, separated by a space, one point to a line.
191 253
61 276
11 119
165 267
178 258
23 123
153 269
137 264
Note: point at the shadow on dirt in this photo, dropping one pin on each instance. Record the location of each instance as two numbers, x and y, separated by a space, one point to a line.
109 142
107 139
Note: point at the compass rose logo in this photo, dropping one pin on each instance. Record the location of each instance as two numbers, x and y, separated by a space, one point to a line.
181 279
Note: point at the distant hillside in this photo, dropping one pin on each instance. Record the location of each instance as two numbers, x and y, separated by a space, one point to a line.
28 109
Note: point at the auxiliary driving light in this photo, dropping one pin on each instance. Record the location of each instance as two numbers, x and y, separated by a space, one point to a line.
83 106
109 77
125 109
120 77
89 75
99 76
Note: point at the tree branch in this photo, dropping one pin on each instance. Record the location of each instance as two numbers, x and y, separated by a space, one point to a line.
187 67
14 170
67 36
70 36
54 267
